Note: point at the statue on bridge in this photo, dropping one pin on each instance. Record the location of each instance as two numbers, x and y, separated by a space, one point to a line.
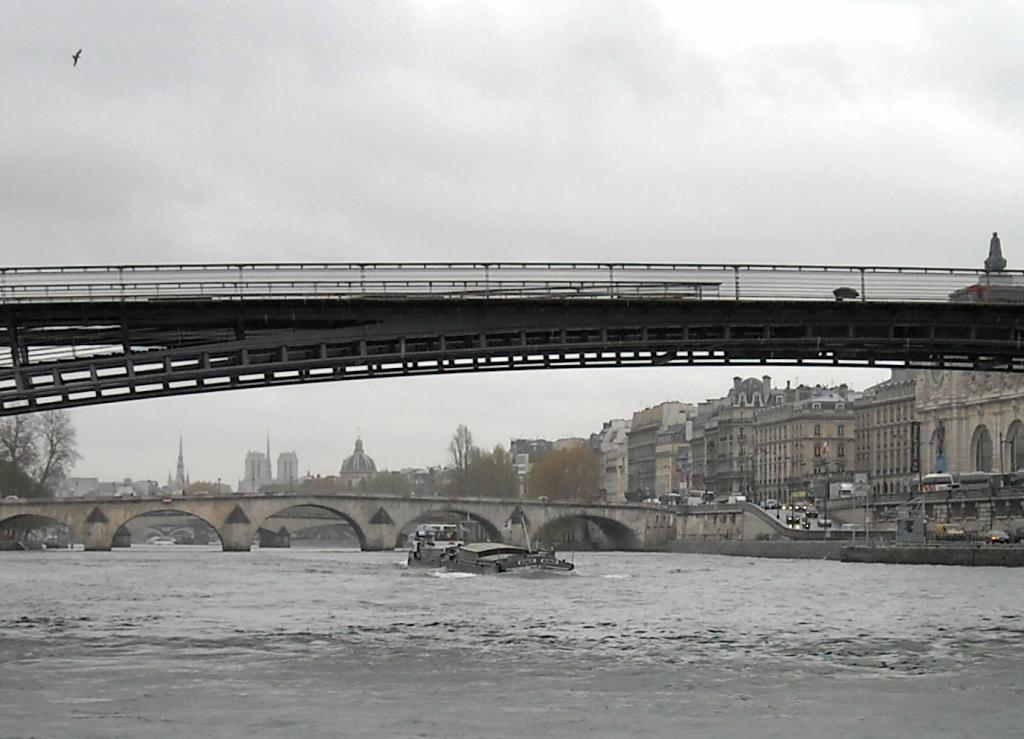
995 261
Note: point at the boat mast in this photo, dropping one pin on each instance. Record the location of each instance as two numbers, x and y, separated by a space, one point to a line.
526 531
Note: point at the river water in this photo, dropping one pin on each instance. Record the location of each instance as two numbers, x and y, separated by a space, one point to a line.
189 641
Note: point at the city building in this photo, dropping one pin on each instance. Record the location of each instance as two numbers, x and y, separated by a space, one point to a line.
802 440
672 458
609 444
357 466
642 448
287 469
723 448
884 418
257 471
77 487
970 421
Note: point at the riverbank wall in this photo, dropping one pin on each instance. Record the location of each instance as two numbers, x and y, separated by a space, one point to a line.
963 556
771 549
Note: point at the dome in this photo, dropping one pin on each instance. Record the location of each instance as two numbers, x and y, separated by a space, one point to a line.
359 462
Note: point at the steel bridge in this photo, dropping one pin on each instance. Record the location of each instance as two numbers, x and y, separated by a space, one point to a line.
99 334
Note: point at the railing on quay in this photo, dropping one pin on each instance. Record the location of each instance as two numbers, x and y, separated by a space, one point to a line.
495 281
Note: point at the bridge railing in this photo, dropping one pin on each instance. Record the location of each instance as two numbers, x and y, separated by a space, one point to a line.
495 281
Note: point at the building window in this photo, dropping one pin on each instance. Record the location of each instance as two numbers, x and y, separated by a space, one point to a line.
839 430
817 429
842 450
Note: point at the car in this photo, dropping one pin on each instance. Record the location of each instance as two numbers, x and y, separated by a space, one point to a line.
168 500
1017 535
807 523
792 519
771 504
825 523
998 536
949 532
801 507
812 514
11 498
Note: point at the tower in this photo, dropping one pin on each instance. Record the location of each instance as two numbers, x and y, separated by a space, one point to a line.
180 477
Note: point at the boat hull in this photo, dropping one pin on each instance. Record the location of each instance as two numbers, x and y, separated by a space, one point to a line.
466 560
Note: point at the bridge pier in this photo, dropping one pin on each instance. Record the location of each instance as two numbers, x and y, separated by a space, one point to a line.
236 541
98 539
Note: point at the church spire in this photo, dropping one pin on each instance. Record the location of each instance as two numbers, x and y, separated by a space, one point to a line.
179 478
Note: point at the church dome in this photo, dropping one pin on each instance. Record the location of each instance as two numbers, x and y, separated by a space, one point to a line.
358 462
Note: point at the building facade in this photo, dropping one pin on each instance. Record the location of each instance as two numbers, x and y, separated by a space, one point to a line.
970 421
672 458
723 454
642 447
803 442
287 468
884 417
256 472
609 444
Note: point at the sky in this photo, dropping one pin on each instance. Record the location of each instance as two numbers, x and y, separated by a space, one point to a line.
435 130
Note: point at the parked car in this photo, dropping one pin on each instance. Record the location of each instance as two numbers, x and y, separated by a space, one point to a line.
1017 535
998 536
825 523
771 504
949 532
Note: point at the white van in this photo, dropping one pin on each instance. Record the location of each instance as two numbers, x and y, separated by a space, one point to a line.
938 482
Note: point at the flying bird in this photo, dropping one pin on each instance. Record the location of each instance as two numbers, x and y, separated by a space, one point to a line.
75 57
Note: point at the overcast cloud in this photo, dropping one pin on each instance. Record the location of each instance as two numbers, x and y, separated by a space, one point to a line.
791 132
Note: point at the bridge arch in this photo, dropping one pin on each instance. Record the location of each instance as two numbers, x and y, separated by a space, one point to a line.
618 534
22 524
341 515
442 515
153 523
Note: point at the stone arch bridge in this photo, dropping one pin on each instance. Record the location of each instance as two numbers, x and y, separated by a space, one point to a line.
377 520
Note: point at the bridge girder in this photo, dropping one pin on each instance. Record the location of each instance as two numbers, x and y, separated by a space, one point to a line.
76 354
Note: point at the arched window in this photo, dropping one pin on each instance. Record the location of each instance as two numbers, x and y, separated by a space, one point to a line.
981 449
1015 446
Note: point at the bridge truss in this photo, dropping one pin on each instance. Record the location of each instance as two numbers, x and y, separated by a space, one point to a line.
86 335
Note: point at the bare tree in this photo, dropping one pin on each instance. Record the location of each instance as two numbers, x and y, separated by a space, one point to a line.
36 452
17 441
57 449
461 450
